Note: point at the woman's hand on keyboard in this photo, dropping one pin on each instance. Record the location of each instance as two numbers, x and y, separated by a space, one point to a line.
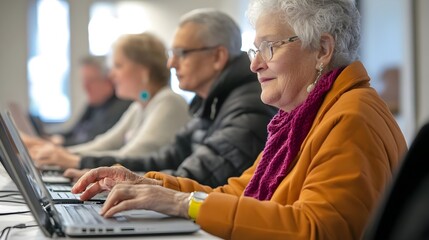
105 178
164 200
51 154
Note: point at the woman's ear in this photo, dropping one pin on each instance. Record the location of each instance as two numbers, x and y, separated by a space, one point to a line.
326 51
222 56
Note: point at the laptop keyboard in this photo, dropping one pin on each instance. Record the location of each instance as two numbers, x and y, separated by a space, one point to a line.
85 213
64 195
68 197
60 188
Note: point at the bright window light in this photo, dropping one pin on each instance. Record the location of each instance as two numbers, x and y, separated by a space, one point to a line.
247 38
110 20
48 67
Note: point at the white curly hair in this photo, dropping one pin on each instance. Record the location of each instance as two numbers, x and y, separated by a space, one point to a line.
310 18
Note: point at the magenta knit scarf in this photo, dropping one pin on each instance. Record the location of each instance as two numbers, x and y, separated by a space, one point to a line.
286 132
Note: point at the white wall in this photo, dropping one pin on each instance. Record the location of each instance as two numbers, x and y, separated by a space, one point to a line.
79 46
382 36
396 32
422 60
388 40
407 85
13 52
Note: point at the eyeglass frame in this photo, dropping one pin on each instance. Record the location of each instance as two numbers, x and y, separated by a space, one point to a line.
251 53
183 52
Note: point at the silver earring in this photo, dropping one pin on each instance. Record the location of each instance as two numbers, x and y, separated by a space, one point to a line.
313 85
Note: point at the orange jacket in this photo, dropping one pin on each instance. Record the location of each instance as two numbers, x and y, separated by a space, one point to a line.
341 170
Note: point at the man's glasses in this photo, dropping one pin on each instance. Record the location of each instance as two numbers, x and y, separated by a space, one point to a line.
182 52
266 48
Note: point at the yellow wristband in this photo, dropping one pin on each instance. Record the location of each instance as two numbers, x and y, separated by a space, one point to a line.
195 201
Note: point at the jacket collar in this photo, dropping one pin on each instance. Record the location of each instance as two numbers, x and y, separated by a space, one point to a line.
236 73
353 76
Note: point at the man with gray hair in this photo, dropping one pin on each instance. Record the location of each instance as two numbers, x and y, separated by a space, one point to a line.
103 108
228 129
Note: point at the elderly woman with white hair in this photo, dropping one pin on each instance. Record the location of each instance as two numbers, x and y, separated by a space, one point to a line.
331 149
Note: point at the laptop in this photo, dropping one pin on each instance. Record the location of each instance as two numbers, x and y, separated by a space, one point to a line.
23 121
50 174
80 220
32 126
10 137
403 212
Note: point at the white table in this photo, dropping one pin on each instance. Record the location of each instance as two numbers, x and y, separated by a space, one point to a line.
36 233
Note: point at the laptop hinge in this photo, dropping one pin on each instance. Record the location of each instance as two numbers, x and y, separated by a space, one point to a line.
55 220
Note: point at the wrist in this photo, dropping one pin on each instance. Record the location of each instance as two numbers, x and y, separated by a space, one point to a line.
75 161
183 200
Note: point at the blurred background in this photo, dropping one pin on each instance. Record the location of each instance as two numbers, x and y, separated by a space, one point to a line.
42 41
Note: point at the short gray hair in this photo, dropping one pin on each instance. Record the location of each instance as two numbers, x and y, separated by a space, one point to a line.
310 18
99 62
219 29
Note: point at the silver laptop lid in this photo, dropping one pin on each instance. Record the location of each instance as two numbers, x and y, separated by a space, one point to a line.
22 120
29 190
34 175
23 158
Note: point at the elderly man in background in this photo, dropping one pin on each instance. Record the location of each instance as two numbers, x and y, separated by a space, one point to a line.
103 109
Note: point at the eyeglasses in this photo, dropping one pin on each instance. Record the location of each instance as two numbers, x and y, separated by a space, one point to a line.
266 48
182 52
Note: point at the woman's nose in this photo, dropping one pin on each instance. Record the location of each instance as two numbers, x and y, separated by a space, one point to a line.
257 63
